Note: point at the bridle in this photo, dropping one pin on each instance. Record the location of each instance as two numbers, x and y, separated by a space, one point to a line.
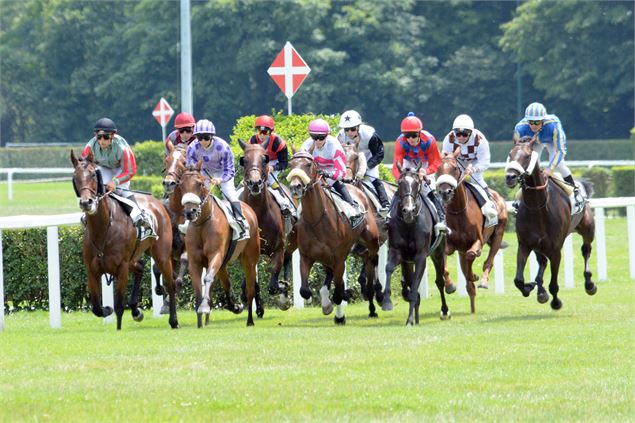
414 194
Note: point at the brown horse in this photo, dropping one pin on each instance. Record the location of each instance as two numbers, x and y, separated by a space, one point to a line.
464 216
110 240
327 237
209 245
410 243
275 244
543 222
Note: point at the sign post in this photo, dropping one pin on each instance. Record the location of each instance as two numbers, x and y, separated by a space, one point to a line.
162 113
288 71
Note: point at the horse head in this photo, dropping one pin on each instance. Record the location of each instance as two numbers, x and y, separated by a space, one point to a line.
195 191
521 162
408 189
355 163
87 182
174 164
255 164
303 173
449 175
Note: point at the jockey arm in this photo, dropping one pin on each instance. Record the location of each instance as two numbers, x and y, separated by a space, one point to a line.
559 145
128 167
376 148
283 159
482 162
397 158
434 158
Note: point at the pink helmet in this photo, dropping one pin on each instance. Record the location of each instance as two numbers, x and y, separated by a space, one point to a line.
319 126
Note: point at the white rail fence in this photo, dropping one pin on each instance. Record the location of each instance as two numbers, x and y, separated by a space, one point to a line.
53 222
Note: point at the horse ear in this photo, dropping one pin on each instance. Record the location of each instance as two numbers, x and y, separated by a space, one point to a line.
533 140
265 159
170 148
242 144
418 166
73 158
293 150
242 161
457 152
90 156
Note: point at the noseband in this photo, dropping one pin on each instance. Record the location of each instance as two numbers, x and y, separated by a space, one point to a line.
414 194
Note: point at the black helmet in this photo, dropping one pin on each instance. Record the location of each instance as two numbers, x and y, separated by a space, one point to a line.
105 124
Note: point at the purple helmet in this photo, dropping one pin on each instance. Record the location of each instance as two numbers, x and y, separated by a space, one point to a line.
319 126
204 126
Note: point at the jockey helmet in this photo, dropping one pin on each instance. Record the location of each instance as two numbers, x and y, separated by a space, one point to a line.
184 120
535 111
204 126
350 119
266 121
411 123
319 126
463 122
105 124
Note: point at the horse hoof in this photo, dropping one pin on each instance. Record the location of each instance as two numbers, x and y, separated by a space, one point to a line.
283 302
556 304
543 297
107 311
138 317
341 321
373 315
203 308
305 293
527 288
592 290
348 294
165 309
450 288
260 312
327 309
483 285
159 290
447 316
175 325
237 309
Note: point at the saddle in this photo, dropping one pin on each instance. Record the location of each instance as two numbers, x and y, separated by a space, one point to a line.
355 215
233 223
128 204
481 198
371 193
577 201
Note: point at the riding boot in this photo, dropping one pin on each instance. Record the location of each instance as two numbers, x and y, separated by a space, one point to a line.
238 214
381 194
576 192
440 226
140 220
343 191
489 209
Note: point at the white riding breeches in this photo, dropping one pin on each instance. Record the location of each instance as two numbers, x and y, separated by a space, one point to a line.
561 167
229 190
477 178
373 173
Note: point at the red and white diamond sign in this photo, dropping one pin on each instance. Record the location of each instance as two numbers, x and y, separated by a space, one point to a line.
288 70
162 112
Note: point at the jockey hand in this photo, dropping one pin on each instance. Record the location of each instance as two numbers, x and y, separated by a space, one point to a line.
110 186
547 172
422 175
325 173
269 168
469 170
215 181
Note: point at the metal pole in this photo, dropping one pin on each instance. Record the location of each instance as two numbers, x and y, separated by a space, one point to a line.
55 303
289 106
630 219
163 133
186 59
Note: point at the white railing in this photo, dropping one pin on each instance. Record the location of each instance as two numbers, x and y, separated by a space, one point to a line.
52 223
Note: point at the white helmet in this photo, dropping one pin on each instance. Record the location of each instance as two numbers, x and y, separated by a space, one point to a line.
349 119
535 111
463 122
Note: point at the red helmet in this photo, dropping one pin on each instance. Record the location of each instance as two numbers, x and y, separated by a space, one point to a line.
411 123
266 121
184 120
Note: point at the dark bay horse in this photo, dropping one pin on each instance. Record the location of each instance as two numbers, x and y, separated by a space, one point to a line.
326 237
275 243
110 240
464 216
543 222
410 240
208 240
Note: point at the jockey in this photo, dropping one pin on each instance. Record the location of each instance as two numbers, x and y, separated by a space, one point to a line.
278 156
116 163
218 166
331 160
416 145
474 156
354 131
550 135
183 133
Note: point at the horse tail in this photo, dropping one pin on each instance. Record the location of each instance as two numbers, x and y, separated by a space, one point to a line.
588 186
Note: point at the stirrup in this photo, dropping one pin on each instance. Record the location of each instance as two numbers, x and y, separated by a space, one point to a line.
441 227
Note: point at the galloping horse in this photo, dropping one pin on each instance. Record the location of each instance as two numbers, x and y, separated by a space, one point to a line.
355 170
543 222
278 246
410 242
209 244
327 237
110 240
464 216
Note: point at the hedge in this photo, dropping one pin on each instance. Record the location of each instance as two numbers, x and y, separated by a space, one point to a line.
624 181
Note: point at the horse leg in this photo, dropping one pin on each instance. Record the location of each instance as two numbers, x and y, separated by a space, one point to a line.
406 279
586 228
251 286
160 290
163 259
338 294
94 289
305 269
450 287
521 260
120 292
133 301
439 261
361 280
196 268
466 260
413 296
542 296
260 308
370 265
230 305
182 268
555 258
275 287
391 264
325 300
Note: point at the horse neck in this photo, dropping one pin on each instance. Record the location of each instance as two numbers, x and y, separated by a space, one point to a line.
174 201
260 202
99 222
458 202
315 203
532 196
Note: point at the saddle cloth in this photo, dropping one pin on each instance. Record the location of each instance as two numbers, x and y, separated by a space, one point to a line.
353 214
577 202
128 205
371 193
233 223
477 190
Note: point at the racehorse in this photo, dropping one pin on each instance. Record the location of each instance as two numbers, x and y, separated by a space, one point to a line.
355 171
410 242
110 240
275 243
463 215
543 222
209 244
327 236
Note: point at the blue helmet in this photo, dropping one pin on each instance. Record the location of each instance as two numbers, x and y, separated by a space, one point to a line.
535 111
204 126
